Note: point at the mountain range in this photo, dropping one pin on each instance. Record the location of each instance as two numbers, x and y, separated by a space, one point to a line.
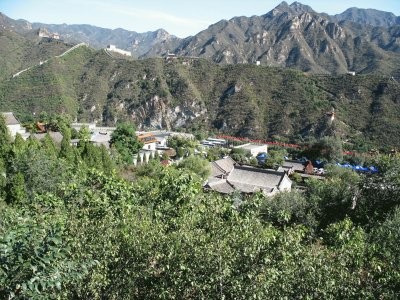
295 36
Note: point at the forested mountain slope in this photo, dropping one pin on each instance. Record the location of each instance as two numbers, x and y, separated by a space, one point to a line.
197 94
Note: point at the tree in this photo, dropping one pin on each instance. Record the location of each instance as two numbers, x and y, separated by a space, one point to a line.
5 138
3 179
275 159
49 146
288 208
239 155
84 135
91 155
183 146
197 165
66 151
16 189
124 139
107 163
328 148
19 143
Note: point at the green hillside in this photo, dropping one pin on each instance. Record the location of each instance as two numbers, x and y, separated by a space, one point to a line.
18 53
196 94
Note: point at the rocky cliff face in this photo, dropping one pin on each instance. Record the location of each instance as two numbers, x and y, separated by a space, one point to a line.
158 113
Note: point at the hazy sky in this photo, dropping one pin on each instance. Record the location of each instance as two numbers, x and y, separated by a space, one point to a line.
179 17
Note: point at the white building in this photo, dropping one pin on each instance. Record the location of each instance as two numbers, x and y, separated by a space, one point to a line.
114 48
149 141
78 126
253 149
14 126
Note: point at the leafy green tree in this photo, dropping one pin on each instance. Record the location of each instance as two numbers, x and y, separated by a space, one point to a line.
183 146
216 153
33 143
181 152
239 155
36 262
287 208
275 159
385 261
3 179
327 148
124 139
42 172
197 165
334 198
379 194
151 170
164 156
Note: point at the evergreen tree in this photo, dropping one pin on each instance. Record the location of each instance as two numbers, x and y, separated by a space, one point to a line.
19 144
66 150
84 135
5 138
16 189
49 146
91 155
107 163
33 143
3 179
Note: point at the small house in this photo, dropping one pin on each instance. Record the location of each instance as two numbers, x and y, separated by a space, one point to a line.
149 141
253 149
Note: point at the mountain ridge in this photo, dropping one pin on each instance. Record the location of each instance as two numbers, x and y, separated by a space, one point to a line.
294 36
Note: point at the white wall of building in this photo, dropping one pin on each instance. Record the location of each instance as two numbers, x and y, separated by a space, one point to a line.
113 48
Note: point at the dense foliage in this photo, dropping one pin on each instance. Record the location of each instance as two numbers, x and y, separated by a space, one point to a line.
124 139
68 230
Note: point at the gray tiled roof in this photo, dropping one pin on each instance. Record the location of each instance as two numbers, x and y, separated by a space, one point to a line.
10 118
296 165
221 186
55 136
260 179
222 166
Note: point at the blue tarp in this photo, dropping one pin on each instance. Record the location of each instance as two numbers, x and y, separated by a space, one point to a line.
262 156
371 169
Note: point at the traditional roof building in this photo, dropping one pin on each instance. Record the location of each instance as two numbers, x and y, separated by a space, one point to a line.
227 176
55 136
292 166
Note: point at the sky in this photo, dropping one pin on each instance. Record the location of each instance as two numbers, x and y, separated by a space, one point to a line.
179 17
